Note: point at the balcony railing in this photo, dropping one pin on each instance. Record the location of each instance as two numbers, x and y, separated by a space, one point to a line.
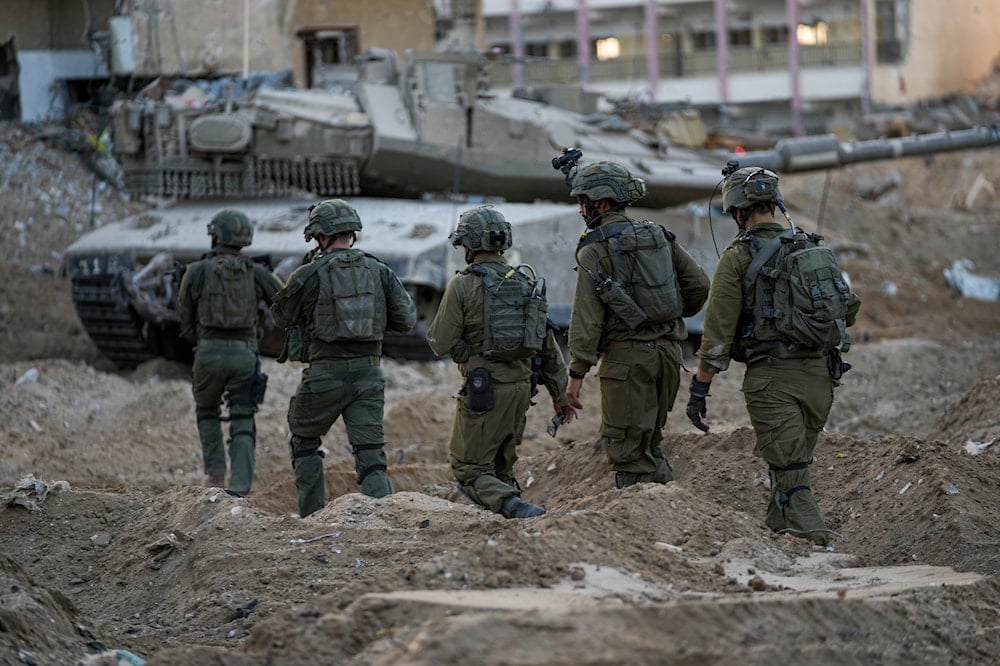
695 63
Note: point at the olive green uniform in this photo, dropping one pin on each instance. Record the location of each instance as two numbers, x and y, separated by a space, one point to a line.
225 362
788 394
344 379
484 443
639 368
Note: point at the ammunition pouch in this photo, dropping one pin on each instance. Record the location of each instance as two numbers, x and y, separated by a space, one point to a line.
613 294
836 364
479 389
296 347
250 394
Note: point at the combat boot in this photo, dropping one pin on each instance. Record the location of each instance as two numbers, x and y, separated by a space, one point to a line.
214 481
626 479
515 507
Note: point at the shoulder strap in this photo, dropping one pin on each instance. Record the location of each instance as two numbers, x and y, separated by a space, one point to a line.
604 232
763 255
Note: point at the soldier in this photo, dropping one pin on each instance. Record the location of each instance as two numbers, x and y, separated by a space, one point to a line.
789 379
634 284
218 307
337 309
492 322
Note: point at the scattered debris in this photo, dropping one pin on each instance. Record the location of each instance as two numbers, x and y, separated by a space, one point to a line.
975 448
331 535
960 277
29 492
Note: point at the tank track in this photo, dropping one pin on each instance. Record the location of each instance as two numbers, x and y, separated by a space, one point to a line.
111 323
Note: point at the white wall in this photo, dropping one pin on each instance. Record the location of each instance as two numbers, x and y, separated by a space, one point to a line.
41 96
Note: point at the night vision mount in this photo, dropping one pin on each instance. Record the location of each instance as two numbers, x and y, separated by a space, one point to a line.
566 162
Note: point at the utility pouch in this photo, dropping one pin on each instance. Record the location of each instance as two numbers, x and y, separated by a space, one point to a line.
258 387
836 364
614 295
295 347
479 388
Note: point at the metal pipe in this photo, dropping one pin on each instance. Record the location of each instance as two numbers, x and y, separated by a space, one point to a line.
792 11
866 56
583 41
246 40
652 48
517 45
722 50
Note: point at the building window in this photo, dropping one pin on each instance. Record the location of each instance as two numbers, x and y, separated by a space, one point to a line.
772 35
740 37
890 30
701 41
812 34
330 55
608 48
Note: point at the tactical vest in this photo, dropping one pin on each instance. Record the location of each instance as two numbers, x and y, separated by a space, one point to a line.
228 298
643 287
351 301
514 312
800 294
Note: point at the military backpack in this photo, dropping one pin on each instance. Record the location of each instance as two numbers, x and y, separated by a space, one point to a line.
643 287
515 312
228 296
351 301
800 294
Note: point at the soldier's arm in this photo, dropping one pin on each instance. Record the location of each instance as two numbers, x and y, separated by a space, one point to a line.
586 321
287 305
553 370
853 306
448 325
401 312
186 305
725 303
266 283
692 278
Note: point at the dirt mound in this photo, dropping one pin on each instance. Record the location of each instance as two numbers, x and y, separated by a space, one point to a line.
973 422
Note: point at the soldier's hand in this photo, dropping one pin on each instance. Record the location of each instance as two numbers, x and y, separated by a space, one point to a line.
567 412
573 392
697 409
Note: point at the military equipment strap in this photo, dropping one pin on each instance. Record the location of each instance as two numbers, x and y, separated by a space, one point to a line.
763 255
791 468
608 231
308 453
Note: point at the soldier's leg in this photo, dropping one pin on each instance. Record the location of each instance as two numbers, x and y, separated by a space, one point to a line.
629 407
363 416
482 441
311 411
242 428
207 385
775 393
669 382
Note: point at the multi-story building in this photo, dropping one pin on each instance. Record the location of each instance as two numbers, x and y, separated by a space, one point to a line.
67 49
807 57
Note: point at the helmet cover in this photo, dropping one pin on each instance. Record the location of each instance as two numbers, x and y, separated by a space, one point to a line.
607 180
330 218
231 227
483 228
748 186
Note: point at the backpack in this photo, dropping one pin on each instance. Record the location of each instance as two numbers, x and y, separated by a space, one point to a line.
228 296
514 312
643 287
801 295
351 301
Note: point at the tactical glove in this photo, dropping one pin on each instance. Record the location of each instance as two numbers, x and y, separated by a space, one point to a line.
696 408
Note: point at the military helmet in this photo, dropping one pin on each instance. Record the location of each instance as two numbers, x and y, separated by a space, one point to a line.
607 180
482 228
331 217
749 185
231 227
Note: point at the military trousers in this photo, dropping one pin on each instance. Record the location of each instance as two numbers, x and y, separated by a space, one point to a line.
222 366
788 401
352 388
639 382
484 444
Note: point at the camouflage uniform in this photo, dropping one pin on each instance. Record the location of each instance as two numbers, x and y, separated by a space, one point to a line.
225 363
484 444
788 395
639 368
344 377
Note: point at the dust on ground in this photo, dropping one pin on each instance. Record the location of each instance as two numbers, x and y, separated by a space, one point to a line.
107 542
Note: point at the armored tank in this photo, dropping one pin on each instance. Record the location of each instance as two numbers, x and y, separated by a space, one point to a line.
399 138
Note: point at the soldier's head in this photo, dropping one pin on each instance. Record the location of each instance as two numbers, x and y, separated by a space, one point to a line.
482 229
332 219
231 228
750 190
602 187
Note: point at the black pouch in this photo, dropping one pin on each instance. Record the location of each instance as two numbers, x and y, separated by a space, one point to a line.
836 365
479 388
258 387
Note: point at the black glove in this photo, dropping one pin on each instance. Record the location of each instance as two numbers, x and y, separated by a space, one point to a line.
696 408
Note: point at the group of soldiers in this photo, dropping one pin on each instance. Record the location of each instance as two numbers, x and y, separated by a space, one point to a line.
635 285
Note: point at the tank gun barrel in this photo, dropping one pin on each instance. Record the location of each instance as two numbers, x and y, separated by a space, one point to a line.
815 153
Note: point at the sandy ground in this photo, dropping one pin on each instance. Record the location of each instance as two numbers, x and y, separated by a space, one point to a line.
107 542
